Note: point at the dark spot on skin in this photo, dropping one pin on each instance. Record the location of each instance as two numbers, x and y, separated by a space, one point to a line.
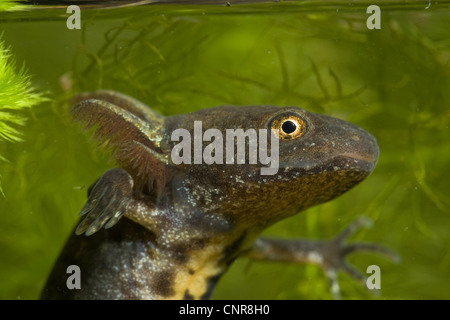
180 254
210 284
198 244
188 296
191 272
162 283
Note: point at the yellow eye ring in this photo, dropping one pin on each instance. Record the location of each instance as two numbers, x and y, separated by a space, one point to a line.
287 126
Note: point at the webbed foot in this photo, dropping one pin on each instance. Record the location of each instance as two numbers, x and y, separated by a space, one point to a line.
330 254
108 199
337 250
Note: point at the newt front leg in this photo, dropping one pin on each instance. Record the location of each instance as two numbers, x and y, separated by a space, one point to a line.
108 199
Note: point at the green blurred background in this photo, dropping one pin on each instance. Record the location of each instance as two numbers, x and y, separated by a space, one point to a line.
393 82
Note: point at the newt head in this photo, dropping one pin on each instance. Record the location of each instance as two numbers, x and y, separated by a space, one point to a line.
319 158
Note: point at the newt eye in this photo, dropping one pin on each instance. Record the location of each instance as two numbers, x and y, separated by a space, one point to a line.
289 125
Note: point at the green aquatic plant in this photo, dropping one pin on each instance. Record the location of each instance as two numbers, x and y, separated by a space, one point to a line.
16 94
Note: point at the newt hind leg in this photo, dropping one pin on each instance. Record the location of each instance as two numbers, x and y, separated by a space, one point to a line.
328 254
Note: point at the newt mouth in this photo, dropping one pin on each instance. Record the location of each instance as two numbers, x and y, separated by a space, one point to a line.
350 162
369 157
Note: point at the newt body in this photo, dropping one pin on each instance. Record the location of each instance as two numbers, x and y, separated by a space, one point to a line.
171 231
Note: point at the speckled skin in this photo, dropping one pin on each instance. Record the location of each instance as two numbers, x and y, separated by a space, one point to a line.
173 230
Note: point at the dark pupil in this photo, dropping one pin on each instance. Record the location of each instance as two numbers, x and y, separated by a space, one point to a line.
289 127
